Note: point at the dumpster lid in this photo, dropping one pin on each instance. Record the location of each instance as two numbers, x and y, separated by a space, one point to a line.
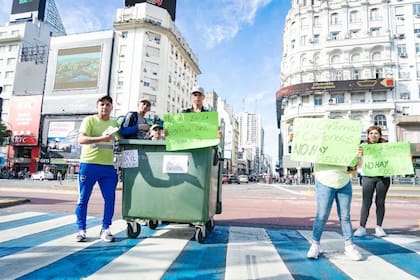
140 142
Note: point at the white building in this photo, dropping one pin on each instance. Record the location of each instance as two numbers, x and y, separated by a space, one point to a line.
250 142
350 59
151 60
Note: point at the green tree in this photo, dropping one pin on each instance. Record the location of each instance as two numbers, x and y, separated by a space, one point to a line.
4 133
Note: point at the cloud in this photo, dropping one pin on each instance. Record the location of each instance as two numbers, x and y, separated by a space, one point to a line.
229 20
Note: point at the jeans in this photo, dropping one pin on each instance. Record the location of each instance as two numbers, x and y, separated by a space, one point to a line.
107 179
325 197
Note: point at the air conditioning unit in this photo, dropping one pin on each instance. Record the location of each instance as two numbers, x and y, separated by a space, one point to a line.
418 35
403 55
417 15
311 41
400 18
332 101
401 36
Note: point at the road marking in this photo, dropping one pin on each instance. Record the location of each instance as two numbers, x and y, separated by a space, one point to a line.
250 255
14 217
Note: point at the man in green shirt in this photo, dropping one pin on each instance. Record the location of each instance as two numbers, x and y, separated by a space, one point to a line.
96 166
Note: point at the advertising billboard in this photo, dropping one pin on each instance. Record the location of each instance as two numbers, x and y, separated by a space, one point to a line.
78 72
24 6
62 137
78 68
169 5
24 117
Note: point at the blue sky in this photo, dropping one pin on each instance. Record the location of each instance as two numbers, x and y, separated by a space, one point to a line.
238 45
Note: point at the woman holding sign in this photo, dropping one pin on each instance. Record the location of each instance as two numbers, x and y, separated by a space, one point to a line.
370 184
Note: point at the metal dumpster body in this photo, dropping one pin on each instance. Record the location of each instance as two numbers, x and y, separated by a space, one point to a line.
180 186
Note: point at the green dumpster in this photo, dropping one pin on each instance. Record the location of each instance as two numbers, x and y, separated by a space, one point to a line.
182 186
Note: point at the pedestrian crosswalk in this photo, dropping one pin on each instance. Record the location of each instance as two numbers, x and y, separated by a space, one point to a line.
35 245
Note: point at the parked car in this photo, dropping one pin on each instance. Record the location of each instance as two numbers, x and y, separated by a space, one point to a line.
243 178
225 179
42 175
233 179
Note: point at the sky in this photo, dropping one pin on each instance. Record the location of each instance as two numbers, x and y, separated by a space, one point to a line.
238 45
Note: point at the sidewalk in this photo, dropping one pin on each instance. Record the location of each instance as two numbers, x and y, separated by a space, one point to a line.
24 185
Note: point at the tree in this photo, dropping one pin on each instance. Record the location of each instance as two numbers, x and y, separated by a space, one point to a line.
4 133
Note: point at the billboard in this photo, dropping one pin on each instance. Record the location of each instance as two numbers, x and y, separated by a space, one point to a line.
24 118
169 5
77 68
78 72
62 137
24 6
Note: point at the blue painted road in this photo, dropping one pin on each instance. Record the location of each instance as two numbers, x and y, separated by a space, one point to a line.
35 245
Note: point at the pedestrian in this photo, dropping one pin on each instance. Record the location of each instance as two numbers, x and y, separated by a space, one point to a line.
332 183
96 166
59 177
370 184
197 98
134 124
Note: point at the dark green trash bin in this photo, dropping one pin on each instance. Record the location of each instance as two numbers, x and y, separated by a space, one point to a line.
180 186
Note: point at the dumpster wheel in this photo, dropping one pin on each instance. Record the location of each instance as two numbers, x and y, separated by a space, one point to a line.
133 229
210 225
153 224
200 234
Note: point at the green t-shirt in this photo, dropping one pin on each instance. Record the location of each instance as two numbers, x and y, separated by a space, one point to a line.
99 153
332 176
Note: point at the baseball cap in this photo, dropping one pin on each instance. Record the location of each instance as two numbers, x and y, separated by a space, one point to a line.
198 90
105 97
146 101
155 126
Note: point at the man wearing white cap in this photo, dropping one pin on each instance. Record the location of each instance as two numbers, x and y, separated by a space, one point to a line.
197 98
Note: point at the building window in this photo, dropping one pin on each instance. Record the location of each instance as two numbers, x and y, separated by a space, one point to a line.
318 100
354 33
375 31
380 120
334 18
374 14
416 9
334 36
316 21
338 98
378 97
402 50
337 75
355 74
358 97
378 73
354 16
124 34
316 39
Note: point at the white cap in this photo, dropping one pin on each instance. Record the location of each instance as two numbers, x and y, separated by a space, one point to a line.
198 89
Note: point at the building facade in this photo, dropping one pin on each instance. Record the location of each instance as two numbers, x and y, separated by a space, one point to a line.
352 60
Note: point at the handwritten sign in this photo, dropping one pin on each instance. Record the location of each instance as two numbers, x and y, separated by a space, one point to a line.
175 164
387 159
326 141
130 159
191 130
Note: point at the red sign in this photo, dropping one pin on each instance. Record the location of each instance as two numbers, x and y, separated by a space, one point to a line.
25 140
24 118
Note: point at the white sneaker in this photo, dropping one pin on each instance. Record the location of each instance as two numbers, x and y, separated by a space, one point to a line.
379 231
313 252
106 235
361 231
351 251
81 236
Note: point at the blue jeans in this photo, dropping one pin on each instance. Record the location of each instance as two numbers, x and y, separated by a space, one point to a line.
325 197
107 179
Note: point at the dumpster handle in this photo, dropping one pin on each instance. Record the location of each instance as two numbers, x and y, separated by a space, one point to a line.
217 157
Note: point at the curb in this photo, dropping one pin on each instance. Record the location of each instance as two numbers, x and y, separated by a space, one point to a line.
8 202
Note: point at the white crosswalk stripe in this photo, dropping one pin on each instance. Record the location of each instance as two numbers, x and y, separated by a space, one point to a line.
245 253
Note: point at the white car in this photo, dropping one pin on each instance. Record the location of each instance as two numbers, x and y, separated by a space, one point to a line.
243 178
42 175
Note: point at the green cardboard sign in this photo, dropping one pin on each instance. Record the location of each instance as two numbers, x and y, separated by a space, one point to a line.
191 130
387 159
326 141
